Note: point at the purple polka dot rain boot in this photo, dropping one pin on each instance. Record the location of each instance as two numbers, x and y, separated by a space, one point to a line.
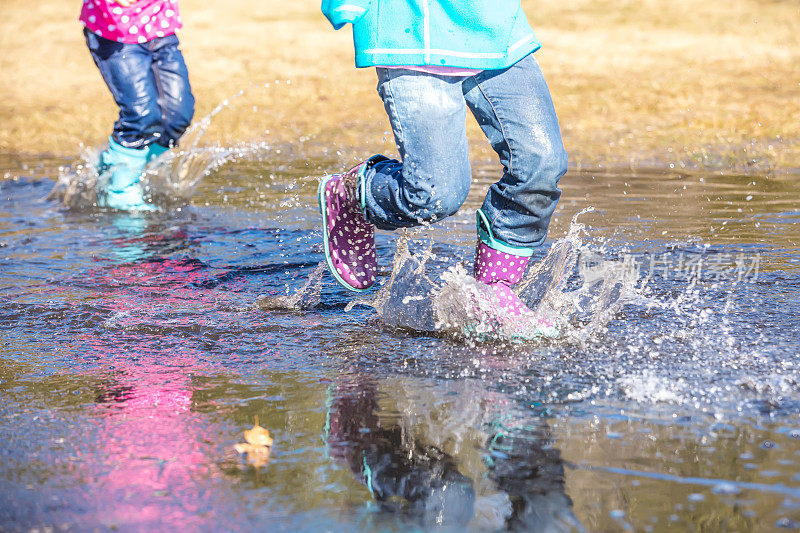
500 270
348 239
500 266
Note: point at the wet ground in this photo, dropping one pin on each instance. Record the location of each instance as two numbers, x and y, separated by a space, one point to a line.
135 350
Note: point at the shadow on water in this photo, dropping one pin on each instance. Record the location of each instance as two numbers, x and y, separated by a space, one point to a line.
136 349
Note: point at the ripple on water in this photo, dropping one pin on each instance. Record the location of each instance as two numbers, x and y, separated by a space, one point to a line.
135 349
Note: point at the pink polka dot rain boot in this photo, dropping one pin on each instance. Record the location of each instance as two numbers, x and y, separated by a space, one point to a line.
500 266
500 270
348 239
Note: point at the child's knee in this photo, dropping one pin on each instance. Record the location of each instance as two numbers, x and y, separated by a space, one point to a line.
442 202
185 112
555 161
140 118
180 116
544 161
444 206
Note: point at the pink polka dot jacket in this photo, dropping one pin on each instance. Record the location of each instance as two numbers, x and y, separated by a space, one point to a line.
140 22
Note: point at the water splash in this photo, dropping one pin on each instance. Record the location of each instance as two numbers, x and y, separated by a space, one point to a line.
77 185
174 177
171 179
306 297
457 305
404 301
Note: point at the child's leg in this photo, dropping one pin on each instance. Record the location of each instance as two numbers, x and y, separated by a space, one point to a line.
428 115
428 119
515 111
172 77
127 70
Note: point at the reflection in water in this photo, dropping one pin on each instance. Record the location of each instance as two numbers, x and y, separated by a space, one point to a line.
441 454
150 466
150 451
134 350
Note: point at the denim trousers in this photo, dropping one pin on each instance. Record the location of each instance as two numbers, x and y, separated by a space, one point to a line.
150 84
428 117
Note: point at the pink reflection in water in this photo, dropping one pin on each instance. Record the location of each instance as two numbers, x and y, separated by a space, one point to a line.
153 466
152 457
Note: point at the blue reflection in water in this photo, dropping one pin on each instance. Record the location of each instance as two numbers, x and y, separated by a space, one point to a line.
135 350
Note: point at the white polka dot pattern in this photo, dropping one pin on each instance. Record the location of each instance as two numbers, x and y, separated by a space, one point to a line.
350 238
129 24
500 270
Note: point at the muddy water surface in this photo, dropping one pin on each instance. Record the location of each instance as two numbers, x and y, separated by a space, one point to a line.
135 350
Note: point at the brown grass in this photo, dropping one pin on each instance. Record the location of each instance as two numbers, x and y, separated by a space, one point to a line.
636 82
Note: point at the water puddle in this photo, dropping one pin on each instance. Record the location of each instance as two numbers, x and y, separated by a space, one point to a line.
137 349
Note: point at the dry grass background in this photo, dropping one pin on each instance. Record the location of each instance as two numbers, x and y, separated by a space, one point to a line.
713 83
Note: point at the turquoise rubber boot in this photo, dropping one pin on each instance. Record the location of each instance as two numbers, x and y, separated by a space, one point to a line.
155 150
123 167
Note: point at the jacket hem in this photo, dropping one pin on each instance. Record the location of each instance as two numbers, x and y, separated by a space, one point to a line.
375 57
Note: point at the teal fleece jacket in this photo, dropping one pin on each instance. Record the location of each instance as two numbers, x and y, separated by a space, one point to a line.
479 34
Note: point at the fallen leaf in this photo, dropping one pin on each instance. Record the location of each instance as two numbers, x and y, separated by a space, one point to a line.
258 436
256 455
242 447
257 447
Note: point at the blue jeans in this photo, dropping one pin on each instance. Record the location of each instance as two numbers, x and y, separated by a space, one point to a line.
428 115
150 84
